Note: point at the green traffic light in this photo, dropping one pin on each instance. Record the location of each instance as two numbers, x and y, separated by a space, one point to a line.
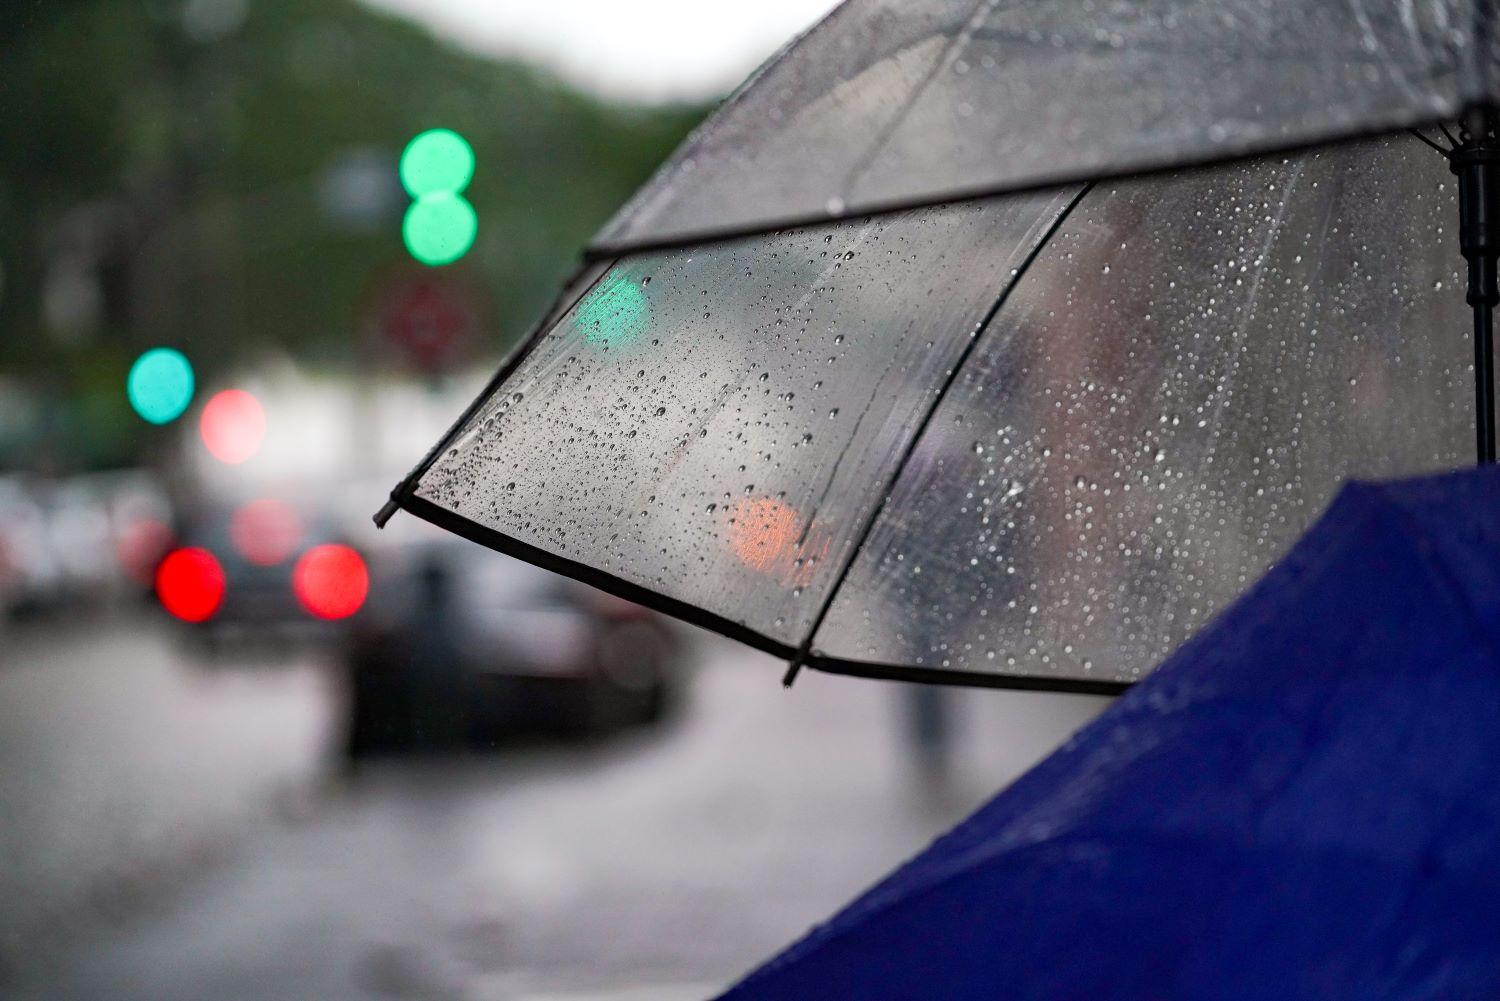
439 228
435 162
440 225
160 385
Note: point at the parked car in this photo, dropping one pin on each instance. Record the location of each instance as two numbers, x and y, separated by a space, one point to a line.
462 646
260 570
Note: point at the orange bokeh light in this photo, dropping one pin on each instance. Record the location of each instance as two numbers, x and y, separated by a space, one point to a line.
763 532
768 536
233 426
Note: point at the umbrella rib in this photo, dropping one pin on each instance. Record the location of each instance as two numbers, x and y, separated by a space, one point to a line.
1441 151
609 249
804 651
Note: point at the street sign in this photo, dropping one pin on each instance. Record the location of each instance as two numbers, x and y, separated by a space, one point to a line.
430 319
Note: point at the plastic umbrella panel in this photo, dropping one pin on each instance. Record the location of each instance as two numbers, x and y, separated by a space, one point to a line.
1167 398
904 102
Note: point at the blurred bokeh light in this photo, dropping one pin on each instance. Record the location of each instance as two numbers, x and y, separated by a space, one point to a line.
190 584
233 426
331 581
265 531
439 228
438 160
160 385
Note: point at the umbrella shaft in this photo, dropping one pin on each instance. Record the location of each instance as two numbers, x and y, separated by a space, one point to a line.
1484 380
1476 163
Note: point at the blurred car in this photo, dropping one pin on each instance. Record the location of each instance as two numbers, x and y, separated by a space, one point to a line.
262 570
461 646
31 578
78 541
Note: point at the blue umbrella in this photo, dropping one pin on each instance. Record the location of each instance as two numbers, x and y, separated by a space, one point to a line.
1300 803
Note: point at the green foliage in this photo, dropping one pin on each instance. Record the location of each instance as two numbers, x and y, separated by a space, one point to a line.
187 177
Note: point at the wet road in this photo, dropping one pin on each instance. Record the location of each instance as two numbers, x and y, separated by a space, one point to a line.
183 833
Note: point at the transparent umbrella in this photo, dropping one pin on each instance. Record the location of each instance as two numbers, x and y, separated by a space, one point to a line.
1004 344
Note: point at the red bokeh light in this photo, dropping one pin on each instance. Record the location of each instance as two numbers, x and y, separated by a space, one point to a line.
233 426
331 581
190 584
265 531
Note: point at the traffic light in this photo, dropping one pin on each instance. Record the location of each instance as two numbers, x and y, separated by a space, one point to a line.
160 385
440 225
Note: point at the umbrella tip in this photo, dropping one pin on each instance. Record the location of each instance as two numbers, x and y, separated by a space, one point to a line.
387 509
793 669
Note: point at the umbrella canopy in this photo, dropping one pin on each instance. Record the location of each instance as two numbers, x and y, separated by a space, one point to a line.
1299 804
1031 439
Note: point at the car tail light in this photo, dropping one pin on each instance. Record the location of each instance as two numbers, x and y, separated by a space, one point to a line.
331 581
190 584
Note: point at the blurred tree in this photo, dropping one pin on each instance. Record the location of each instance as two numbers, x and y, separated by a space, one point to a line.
219 175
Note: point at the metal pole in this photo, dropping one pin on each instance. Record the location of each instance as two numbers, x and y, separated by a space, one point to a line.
1476 163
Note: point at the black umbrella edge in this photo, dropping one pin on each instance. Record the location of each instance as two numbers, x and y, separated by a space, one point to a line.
696 616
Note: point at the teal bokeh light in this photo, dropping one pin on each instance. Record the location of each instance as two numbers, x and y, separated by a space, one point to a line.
438 161
160 385
615 312
439 228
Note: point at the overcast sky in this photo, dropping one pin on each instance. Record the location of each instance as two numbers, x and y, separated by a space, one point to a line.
651 49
